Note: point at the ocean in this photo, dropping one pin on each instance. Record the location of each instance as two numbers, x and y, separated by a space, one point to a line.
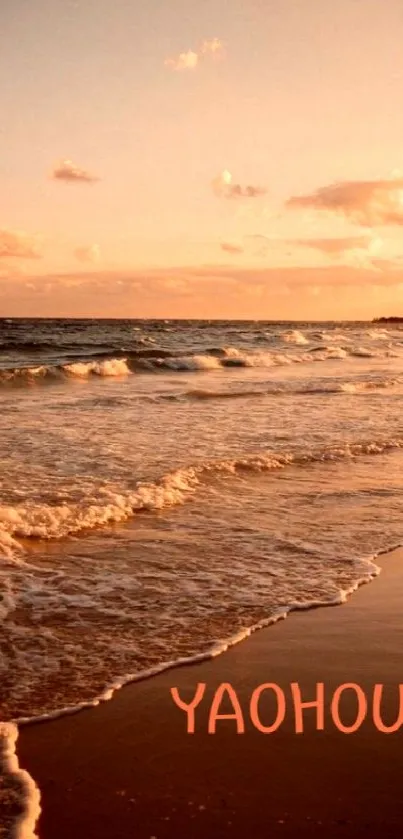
167 487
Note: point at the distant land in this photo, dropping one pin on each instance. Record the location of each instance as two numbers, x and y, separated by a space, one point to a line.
388 320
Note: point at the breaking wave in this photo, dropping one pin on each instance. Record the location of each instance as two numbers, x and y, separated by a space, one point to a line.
294 336
155 360
280 390
46 521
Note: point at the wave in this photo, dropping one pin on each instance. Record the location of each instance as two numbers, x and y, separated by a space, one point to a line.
46 521
192 362
362 387
280 390
37 346
108 367
153 360
117 367
378 334
201 393
325 335
329 353
52 372
365 352
349 387
294 336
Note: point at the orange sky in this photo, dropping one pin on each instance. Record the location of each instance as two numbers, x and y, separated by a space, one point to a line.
237 160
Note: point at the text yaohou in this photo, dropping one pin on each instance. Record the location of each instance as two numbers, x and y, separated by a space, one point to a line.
364 704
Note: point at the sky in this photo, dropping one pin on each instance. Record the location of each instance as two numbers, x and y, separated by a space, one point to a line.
218 159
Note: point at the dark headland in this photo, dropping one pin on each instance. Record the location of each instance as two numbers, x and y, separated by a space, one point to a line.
393 319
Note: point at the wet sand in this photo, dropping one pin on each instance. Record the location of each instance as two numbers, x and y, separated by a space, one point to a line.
130 769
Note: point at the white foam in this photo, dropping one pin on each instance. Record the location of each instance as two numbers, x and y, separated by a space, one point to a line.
112 367
327 354
294 336
115 368
25 825
231 352
109 367
8 545
215 650
194 362
378 334
363 387
325 335
55 521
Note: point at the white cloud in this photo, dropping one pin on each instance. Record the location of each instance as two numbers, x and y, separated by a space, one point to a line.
367 203
184 61
70 173
223 187
14 243
191 58
213 46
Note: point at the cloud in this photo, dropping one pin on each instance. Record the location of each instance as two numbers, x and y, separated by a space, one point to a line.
190 59
368 203
213 46
335 246
184 61
223 187
70 173
231 247
209 291
13 243
384 264
356 251
88 253
154 282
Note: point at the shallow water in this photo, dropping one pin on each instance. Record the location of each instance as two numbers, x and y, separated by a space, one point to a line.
166 486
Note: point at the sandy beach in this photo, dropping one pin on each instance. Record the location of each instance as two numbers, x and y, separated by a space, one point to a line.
129 767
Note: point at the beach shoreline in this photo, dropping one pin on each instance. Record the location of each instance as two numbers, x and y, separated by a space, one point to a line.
129 767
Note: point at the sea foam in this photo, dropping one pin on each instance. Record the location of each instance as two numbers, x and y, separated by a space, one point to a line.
18 789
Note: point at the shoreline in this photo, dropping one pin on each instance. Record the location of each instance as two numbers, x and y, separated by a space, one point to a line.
199 658
218 649
93 766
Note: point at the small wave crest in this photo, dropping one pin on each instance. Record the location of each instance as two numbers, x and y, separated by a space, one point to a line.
280 389
351 387
363 387
203 393
378 334
110 367
294 336
56 521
